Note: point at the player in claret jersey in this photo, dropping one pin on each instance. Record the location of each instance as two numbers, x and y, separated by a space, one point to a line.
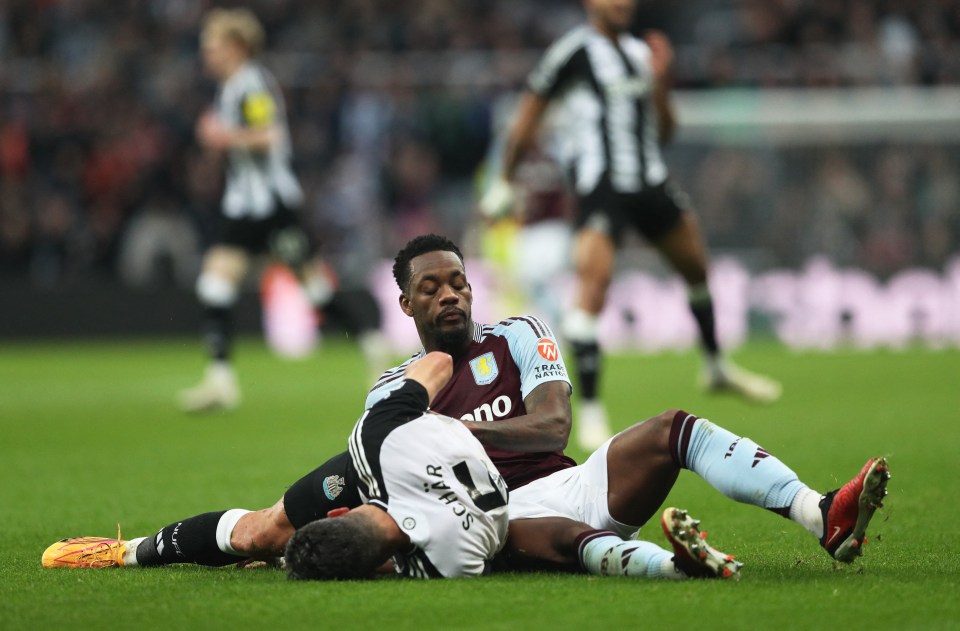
511 373
509 389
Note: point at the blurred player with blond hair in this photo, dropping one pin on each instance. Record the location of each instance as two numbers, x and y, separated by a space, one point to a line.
261 197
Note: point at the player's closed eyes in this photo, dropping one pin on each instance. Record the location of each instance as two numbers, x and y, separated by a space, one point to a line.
431 289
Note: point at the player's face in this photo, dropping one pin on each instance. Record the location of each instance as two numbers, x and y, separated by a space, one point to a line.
611 15
439 300
219 55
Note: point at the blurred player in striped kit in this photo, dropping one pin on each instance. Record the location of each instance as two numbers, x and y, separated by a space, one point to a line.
614 89
260 202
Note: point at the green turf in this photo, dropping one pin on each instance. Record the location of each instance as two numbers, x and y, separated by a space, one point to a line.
90 437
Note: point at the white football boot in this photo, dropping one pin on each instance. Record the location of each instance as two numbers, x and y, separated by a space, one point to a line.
722 375
218 391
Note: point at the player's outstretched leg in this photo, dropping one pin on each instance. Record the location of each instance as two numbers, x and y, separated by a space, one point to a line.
692 554
742 470
684 247
848 510
203 539
644 460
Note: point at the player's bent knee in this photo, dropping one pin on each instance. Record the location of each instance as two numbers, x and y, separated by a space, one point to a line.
661 425
215 291
666 419
667 416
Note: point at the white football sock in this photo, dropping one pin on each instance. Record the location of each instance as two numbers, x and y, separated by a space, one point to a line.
805 510
130 552
228 521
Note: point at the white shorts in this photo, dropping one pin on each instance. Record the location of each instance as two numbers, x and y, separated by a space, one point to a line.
578 493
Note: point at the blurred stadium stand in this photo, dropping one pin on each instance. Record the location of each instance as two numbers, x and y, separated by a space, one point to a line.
810 127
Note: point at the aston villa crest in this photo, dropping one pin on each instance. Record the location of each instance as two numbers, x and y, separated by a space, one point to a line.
484 369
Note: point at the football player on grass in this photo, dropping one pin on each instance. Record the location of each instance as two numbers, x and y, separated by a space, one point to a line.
434 503
509 388
614 91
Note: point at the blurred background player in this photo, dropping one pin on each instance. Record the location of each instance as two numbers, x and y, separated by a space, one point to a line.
543 245
537 236
616 92
260 200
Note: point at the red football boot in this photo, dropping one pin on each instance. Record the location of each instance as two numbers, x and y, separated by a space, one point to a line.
848 510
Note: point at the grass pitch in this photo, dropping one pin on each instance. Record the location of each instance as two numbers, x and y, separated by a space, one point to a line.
90 437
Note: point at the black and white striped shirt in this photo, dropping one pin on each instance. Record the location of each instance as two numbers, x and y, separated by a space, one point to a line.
609 124
436 482
256 180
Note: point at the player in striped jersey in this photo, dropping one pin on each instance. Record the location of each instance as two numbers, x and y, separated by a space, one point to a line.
432 499
511 372
260 203
615 93
615 491
509 387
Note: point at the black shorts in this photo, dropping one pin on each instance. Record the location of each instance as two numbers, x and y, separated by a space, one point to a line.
653 212
334 484
280 234
331 485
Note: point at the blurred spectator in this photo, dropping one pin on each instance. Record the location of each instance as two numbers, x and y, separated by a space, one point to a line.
159 246
98 99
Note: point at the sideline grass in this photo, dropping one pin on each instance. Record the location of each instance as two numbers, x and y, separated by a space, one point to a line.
90 437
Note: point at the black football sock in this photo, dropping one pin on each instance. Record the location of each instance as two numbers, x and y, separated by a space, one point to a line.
217 332
587 356
702 308
192 540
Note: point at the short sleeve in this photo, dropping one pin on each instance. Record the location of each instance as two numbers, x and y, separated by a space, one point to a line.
387 382
557 66
536 352
258 109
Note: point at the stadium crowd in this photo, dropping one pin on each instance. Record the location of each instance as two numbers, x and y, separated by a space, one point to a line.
390 107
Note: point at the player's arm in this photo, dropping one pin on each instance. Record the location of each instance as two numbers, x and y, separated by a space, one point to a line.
661 61
212 133
433 371
499 198
523 132
258 132
545 426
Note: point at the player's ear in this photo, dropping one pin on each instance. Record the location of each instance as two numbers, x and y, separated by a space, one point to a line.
405 305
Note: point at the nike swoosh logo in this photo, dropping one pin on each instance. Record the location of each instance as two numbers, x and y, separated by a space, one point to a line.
836 531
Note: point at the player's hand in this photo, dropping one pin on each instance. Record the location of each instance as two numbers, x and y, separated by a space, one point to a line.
431 371
661 51
212 133
498 201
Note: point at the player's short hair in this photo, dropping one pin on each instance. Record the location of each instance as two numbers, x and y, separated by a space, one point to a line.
239 24
335 549
414 248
